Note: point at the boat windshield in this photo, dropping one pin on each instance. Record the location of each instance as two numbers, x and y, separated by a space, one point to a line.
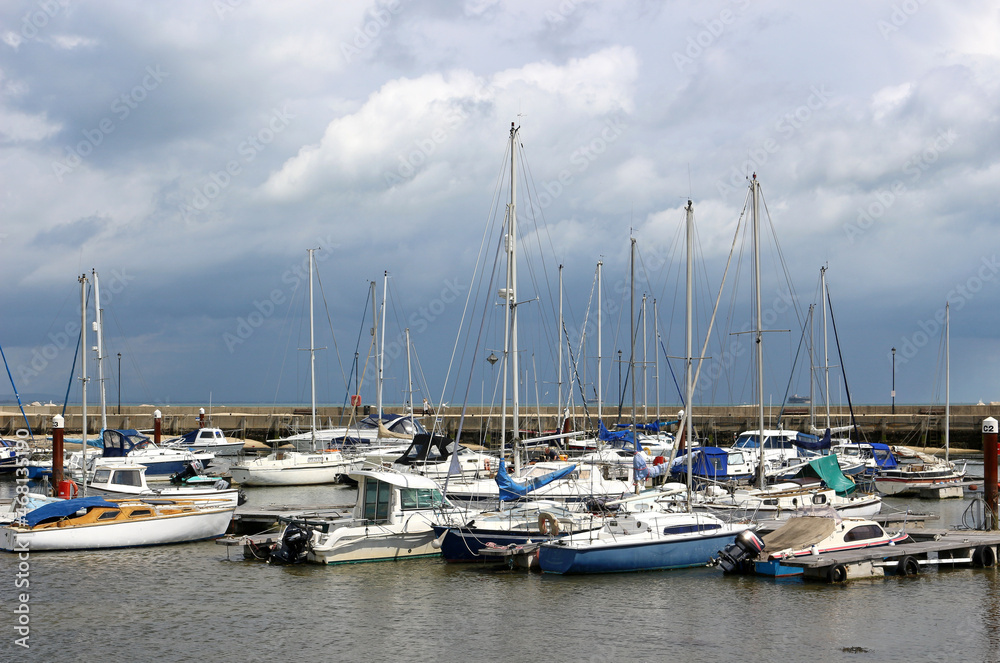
420 498
746 442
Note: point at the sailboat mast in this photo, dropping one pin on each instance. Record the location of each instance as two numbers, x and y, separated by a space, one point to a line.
631 354
812 370
99 322
689 336
512 294
560 354
947 379
645 365
381 351
656 358
83 379
600 372
758 330
826 348
312 355
409 373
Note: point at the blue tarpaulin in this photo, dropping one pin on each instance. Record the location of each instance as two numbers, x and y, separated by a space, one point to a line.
63 508
511 489
812 442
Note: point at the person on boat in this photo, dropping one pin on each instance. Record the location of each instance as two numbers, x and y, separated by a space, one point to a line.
427 409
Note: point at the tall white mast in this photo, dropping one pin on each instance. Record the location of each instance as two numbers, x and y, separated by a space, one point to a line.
83 378
560 354
99 327
645 364
826 347
812 369
631 354
312 354
947 379
381 351
656 358
688 359
409 373
758 330
600 373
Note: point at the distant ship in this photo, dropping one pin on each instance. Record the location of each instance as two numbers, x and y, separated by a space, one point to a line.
799 399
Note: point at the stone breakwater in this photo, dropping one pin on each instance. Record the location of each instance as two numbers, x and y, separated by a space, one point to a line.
913 425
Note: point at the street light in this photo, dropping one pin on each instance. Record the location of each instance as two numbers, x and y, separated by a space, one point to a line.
894 381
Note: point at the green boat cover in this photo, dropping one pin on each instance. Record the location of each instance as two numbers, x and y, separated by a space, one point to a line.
827 469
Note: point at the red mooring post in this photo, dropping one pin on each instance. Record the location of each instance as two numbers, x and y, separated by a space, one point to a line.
990 471
156 427
57 451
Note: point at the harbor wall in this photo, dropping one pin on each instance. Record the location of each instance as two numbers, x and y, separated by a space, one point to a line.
915 425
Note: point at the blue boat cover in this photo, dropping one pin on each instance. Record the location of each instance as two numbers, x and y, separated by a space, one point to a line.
811 442
62 509
118 443
510 489
708 462
622 439
883 456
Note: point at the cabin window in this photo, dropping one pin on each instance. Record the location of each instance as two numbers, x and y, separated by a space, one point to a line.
136 513
863 532
420 498
109 515
819 499
219 434
376 505
736 459
689 529
746 442
716 463
102 476
127 478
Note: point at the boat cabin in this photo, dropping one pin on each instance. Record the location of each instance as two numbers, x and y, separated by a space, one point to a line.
387 497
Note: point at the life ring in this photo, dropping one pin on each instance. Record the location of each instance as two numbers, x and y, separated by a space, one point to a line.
548 525
486 465
908 566
837 573
984 556
68 489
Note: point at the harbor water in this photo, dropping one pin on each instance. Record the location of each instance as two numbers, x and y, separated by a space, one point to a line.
204 602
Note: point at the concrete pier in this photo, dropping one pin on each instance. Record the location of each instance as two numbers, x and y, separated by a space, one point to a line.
912 425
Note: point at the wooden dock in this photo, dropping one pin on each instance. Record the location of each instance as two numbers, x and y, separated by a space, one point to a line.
930 548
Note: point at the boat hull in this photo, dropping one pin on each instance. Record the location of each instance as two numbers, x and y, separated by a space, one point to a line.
266 472
183 528
625 556
377 546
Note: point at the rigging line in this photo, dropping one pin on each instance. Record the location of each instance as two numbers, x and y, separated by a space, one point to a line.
529 182
784 264
357 347
329 320
791 373
579 382
281 368
673 375
847 389
484 242
16 395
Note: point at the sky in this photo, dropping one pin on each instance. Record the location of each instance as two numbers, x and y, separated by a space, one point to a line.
191 152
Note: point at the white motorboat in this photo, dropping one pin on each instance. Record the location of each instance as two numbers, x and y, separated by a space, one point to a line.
211 440
393 518
131 446
129 480
802 536
91 523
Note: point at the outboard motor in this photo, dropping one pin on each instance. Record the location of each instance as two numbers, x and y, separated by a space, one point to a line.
292 547
737 555
189 471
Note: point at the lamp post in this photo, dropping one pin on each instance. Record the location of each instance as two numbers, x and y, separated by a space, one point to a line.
119 383
893 394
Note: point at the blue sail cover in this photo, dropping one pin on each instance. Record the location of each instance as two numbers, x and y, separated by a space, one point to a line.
642 471
510 489
811 442
119 443
707 462
623 439
63 508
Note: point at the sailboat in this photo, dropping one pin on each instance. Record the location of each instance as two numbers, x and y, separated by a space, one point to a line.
648 538
295 468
